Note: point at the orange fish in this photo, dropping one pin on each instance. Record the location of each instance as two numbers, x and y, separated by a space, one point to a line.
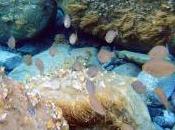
138 86
158 67
162 97
104 55
11 42
158 52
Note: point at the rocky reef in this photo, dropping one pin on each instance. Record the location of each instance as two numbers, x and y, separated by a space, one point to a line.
61 97
141 24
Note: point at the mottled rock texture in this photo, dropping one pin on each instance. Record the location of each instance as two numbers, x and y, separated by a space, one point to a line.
24 18
68 89
21 109
141 24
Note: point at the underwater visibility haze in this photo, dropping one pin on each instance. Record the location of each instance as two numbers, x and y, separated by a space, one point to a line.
87 64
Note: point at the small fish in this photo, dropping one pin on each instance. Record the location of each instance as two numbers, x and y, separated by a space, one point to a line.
110 36
138 86
92 71
158 52
90 86
126 127
40 65
52 51
162 97
158 67
59 38
67 21
104 55
96 105
77 66
11 42
73 38
2 71
27 59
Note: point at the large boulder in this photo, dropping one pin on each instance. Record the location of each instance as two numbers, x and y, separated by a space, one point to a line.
64 58
140 24
69 90
135 57
24 18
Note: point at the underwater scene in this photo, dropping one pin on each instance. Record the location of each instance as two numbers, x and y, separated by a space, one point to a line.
87 64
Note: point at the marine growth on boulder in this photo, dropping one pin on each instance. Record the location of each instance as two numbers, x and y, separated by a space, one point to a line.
141 24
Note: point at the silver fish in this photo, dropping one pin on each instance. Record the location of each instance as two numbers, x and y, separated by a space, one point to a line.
40 65
110 36
11 42
67 21
73 38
